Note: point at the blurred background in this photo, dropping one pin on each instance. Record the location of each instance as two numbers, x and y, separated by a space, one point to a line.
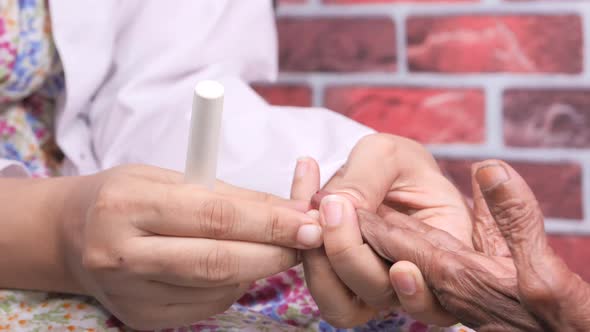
473 79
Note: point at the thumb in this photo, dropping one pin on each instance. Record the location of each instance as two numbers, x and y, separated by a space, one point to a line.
374 166
515 210
546 286
486 235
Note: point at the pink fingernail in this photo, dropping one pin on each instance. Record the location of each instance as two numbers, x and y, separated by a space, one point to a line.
404 283
314 214
332 210
302 167
310 235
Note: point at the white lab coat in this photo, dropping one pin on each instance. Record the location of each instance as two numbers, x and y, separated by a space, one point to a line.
131 67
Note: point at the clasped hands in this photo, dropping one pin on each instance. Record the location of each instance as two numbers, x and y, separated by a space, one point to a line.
159 253
489 267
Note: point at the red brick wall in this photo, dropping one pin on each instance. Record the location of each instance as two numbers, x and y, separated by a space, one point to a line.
473 79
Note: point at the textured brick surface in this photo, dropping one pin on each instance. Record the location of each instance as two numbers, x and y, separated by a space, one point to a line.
547 118
285 94
557 186
520 44
337 44
426 89
426 115
575 251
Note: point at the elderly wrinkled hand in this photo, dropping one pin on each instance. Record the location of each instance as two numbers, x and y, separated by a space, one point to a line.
528 288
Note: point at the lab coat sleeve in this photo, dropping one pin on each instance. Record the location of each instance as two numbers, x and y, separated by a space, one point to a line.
259 143
141 112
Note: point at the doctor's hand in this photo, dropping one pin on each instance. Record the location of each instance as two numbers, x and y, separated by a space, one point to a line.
349 282
159 253
533 290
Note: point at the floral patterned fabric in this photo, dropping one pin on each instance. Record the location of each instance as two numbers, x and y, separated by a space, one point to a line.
28 63
31 79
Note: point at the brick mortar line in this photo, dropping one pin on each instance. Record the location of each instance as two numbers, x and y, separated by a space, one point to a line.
536 155
541 154
533 155
586 40
317 97
440 80
494 129
432 9
493 88
399 19
566 227
315 3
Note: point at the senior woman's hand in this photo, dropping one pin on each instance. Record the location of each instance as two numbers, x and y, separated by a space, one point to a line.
533 290
161 253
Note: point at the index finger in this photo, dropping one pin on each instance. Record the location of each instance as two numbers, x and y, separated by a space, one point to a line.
204 262
356 264
189 211
167 176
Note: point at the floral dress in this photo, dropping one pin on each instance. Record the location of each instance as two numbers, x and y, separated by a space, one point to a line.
31 83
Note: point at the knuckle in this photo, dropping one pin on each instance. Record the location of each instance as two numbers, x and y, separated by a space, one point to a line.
218 218
444 272
101 260
544 282
516 215
265 197
287 258
387 142
536 292
110 198
273 227
392 148
220 265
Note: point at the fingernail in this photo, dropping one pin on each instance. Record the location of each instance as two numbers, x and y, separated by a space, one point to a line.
404 283
309 235
302 167
314 214
332 208
490 176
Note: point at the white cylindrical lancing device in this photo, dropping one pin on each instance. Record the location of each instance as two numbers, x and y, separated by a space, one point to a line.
204 136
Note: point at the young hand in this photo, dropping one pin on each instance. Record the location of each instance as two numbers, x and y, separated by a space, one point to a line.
349 282
160 253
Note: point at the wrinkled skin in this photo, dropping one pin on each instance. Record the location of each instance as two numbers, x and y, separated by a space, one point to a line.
511 281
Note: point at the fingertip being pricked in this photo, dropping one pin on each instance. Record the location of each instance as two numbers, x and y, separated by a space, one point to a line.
332 210
314 214
310 236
